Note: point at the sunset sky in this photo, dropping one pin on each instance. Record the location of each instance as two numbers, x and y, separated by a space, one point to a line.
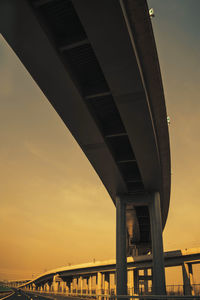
54 209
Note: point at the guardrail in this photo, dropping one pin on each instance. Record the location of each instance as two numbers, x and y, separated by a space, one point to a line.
113 297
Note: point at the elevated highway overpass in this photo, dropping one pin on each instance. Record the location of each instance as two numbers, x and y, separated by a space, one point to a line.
99 277
97 64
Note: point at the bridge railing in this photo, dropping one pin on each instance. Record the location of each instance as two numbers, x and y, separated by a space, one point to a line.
60 296
173 292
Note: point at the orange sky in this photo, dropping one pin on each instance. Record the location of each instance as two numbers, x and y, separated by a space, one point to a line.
54 209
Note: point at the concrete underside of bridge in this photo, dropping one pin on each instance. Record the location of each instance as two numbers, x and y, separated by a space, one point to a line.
96 62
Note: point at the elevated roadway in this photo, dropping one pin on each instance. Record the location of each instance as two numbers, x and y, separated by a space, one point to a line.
59 279
97 64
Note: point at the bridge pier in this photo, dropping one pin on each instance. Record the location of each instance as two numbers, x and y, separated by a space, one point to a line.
99 283
80 285
188 280
136 281
106 283
130 282
121 260
152 201
67 289
159 287
146 285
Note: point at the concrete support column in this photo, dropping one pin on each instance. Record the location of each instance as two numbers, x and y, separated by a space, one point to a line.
103 283
86 285
99 283
121 260
90 285
62 286
55 284
130 282
76 285
145 281
115 283
71 287
48 287
187 279
159 287
56 287
107 284
51 286
136 281
80 286
67 288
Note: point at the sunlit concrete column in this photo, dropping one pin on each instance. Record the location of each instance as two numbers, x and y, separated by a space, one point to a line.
99 283
71 287
90 285
56 287
121 260
187 279
159 287
48 287
130 282
80 284
67 288
62 287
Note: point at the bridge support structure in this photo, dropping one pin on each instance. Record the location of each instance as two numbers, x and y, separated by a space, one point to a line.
188 279
121 260
159 286
158 271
